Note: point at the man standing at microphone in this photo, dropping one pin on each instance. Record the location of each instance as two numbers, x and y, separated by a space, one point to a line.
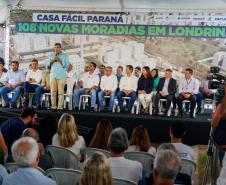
58 62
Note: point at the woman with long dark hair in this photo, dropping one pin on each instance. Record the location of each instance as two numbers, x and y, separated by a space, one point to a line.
155 75
144 89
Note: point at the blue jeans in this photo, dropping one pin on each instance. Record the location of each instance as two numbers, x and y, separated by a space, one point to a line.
80 91
132 96
4 93
38 94
101 101
29 88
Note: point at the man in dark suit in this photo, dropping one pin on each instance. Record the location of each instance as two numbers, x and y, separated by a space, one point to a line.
166 89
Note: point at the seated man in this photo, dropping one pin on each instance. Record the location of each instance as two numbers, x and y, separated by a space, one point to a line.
137 72
108 86
166 167
128 87
204 92
13 81
166 89
33 80
177 132
43 88
25 152
87 85
188 88
122 167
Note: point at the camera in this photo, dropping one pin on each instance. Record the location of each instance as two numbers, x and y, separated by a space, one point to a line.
215 78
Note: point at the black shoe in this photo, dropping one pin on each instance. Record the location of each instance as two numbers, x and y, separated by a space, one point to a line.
6 105
76 109
92 109
181 115
198 111
192 116
54 110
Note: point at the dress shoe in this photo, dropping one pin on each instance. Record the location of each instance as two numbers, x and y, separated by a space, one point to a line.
92 109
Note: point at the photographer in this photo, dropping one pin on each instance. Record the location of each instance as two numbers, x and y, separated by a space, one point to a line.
219 124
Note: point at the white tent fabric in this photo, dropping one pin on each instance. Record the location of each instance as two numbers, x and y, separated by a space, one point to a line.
111 5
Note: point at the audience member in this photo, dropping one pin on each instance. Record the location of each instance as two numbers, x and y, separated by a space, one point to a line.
87 85
25 153
137 72
58 62
144 89
97 171
155 75
166 89
13 81
12 128
67 135
188 88
47 128
108 86
177 131
33 80
101 136
43 88
140 141
166 167
3 173
121 167
219 126
128 87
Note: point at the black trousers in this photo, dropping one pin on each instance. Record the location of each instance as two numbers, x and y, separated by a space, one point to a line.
192 99
158 96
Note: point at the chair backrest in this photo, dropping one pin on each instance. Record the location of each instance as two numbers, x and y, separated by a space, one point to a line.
187 167
12 167
144 158
64 176
63 157
117 181
88 152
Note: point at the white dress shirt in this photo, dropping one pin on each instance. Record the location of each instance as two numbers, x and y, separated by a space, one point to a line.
189 85
109 83
128 83
185 151
37 75
14 77
89 80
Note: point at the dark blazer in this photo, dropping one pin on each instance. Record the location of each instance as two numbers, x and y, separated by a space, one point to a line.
145 84
171 87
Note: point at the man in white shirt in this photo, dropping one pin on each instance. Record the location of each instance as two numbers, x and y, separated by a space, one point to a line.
122 167
87 85
188 88
13 81
33 80
177 132
128 87
108 86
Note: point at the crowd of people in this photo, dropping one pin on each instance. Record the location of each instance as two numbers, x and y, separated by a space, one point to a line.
144 85
22 142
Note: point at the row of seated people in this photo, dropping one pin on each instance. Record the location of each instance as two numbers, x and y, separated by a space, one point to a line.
116 141
149 87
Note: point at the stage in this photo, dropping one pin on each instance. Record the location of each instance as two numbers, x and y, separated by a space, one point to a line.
158 126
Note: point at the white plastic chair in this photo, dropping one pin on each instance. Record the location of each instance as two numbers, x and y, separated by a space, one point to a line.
161 106
83 99
119 181
88 152
188 101
68 100
208 103
64 176
187 167
63 157
144 158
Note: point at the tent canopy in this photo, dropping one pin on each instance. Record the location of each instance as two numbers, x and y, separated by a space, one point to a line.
112 5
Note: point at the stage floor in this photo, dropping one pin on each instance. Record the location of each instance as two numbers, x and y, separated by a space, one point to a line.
158 126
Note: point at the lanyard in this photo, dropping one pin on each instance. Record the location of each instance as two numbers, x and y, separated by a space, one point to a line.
188 83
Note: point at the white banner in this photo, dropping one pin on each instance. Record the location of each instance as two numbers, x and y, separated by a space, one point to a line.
79 18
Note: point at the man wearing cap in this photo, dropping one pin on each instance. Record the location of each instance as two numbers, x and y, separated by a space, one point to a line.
33 80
